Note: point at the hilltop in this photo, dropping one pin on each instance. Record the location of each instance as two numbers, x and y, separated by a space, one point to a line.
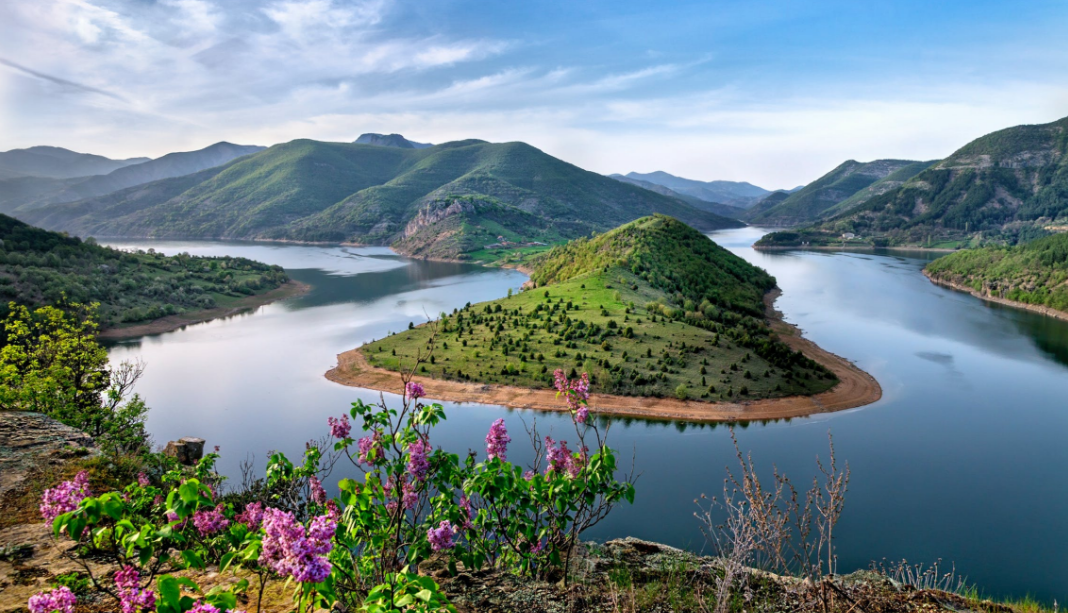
449 201
39 268
1005 187
848 185
1032 275
389 140
651 309
57 163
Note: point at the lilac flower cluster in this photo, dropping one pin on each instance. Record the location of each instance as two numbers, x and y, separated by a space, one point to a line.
414 391
418 464
561 459
442 537
576 392
65 497
142 480
497 441
465 504
132 598
339 428
252 516
318 494
291 550
210 521
203 607
370 448
59 600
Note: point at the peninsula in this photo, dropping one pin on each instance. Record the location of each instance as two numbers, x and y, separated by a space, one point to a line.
668 325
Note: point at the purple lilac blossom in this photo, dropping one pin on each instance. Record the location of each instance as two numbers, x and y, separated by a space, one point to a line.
65 497
132 598
291 550
339 428
414 391
210 521
576 392
418 464
318 494
59 600
497 441
252 516
142 479
442 537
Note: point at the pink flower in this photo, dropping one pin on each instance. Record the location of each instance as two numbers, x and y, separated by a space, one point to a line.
561 459
370 448
252 516
142 479
576 392
60 599
65 497
203 607
291 550
414 391
465 504
210 521
339 428
497 441
132 598
318 494
442 537
418 464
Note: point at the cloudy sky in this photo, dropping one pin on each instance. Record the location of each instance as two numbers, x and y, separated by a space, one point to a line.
771 92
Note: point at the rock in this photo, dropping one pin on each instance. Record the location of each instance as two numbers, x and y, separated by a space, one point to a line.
187 450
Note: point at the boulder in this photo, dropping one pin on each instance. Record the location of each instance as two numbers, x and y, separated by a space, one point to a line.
187 450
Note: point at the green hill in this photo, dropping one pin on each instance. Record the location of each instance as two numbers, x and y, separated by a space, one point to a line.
441 201
652 308
1003 188
848 182
38 267
1034 273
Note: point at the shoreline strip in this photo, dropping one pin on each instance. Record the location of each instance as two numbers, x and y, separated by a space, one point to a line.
1034 308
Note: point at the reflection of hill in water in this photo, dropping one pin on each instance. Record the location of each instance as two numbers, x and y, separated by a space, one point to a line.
1049 335
367 287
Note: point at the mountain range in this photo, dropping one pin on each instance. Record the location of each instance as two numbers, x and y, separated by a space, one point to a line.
25 193
725 210
1006 187
734 193
850 184
441 201
57 163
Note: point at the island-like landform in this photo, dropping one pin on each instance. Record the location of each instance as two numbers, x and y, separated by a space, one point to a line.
667 324
1004 188
1031 276
139 292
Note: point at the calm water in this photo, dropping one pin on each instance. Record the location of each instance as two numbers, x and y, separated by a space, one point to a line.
963 459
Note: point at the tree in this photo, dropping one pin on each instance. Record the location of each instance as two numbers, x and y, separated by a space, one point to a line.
52 364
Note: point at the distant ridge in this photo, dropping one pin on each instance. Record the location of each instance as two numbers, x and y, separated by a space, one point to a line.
725 210
389 140
734 193
57 163
24 193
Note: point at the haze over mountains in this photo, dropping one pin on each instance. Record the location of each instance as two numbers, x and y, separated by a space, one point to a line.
735 193
57 163
439 201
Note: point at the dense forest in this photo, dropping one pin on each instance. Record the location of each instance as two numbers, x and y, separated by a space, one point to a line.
653 308
1032 273
38 267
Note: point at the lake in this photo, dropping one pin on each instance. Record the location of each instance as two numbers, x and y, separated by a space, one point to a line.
962 460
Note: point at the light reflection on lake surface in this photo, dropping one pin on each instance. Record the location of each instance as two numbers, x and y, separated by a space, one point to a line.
963 459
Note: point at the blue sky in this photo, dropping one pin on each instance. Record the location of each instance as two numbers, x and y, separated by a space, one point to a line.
771 92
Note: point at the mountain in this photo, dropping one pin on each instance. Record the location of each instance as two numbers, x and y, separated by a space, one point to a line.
734 193
389 140
850 179
725 210
57 163
699 331
880 187
1033 273
443 201
766 203
33 192
1000 188
38 267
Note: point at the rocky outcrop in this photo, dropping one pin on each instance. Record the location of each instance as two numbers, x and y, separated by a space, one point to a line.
436 211
33 440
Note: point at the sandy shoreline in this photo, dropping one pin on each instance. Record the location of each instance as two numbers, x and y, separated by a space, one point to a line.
859 248
855 388
1034 308
174 322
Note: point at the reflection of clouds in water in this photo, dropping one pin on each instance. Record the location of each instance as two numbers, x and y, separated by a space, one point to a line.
942 359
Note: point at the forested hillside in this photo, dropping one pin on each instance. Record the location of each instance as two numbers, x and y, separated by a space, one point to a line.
38 268
442 201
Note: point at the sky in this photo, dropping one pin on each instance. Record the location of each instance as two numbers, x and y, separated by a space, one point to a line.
772 92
